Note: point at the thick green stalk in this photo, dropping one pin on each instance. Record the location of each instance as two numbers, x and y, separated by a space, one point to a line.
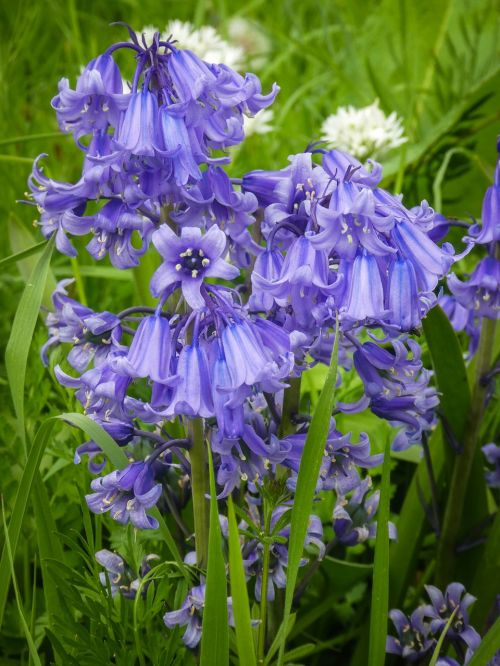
445 565
200 488
291 402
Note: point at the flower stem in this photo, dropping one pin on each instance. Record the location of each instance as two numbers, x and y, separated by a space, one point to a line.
263 589
200 488
463 462
291 402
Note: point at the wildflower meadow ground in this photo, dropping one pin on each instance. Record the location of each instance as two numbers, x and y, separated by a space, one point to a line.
251 285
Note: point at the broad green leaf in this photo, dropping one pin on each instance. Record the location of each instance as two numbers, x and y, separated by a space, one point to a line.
448 364
239 594
215 635
16 353
412 521
34 249
487 569
31 644
306 483
489 646
380 590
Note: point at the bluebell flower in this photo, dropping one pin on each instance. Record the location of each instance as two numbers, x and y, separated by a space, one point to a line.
97 101
126 494
462 319
396 389
190 615
113 228
188 260
137 132
443 605
489 229
492 454
192 392
92 334
150 352
119 575
354 517
413 642
480 293
339 467
278 551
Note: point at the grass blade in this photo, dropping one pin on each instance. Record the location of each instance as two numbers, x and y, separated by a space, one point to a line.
215 636
31 644
380 590
239 594
11 259
489 646
439 644
306 483
16 353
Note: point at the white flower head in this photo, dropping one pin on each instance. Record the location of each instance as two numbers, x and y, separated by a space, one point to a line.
250 37
365 132
260 123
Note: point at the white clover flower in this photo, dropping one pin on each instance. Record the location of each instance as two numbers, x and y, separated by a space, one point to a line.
259 124
365 132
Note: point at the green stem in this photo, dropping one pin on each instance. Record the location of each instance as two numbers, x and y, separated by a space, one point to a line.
200 488
291 402
80 286
463 461
263 589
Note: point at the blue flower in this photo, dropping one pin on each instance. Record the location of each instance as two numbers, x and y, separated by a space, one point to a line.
413 642
492 454
188 260
150 352
489 229
119 575
97 101
126 494
480 294
354 518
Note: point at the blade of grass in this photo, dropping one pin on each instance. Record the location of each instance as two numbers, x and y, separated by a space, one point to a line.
239 594
31 644
439 644
380 589
11 259
215 635
306 483
16 353
489 646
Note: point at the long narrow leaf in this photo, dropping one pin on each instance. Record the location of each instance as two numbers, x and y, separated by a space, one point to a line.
488 648
380 589
439 644
16 353
306 483
31 644
11 259
215 636
239 594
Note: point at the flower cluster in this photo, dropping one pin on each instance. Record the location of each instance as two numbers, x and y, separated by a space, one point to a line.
365 132
252 276
418 634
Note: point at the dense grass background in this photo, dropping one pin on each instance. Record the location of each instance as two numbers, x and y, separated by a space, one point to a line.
435 63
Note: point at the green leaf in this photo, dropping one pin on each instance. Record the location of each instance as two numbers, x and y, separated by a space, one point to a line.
20 503
380 589
306 483
448 364
488 648
31 644
487 569
215 635
34 249
439 644
16 353
239 594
